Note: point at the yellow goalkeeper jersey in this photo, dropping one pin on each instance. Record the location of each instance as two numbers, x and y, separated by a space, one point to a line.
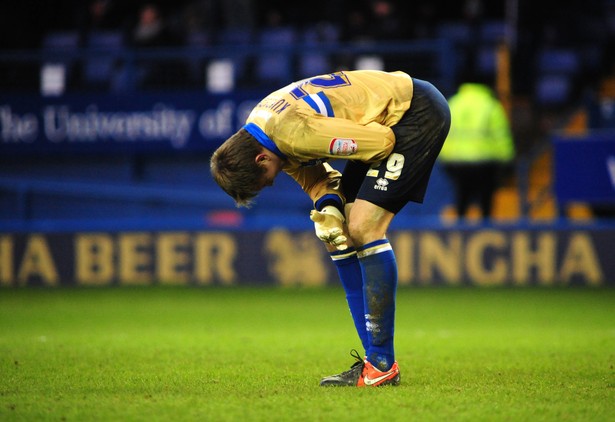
344 115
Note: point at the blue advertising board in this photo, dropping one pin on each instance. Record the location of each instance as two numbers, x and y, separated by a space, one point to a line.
585 168
443 257
112 123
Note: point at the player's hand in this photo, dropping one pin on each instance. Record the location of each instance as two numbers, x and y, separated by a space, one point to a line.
328 224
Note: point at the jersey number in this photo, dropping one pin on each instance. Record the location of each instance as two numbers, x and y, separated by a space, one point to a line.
334 80
395 164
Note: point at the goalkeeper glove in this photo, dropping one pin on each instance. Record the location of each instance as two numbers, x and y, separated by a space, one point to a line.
328 224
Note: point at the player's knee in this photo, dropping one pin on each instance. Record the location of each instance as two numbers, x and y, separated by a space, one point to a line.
362 233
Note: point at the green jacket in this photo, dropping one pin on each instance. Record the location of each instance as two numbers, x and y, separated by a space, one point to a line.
480 130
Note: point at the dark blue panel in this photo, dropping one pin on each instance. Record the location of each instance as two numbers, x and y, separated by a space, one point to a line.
104 123
585 169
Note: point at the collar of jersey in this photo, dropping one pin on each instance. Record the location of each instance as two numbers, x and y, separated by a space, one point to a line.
263 139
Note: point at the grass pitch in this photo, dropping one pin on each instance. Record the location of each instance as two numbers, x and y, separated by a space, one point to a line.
251 354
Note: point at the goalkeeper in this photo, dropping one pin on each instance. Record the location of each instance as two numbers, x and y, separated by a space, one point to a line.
390 129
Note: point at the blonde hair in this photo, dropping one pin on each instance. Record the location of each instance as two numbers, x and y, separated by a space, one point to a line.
234 168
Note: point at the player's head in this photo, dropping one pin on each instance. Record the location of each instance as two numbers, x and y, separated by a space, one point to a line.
235 168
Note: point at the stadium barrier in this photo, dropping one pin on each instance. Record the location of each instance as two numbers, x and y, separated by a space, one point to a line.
438 256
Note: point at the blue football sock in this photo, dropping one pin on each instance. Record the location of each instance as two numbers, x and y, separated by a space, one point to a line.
349 271
379 291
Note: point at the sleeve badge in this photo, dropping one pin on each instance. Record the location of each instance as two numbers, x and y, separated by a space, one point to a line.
342 146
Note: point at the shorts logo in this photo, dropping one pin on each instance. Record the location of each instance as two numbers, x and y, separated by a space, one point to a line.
381 184
342 146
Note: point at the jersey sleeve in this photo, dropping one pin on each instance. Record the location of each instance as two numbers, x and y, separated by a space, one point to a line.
321 182
314 136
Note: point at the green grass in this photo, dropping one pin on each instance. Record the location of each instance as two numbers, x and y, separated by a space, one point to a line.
249 354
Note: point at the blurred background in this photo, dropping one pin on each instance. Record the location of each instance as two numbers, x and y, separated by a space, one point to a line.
109 109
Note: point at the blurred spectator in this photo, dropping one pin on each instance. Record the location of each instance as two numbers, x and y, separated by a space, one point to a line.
154 31
479 146
602 109
151 29
385 21
472 11
103 14
597 108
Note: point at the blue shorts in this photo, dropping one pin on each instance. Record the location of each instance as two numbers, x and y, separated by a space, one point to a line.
403 176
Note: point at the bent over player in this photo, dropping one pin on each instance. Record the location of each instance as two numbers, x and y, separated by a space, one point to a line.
390 127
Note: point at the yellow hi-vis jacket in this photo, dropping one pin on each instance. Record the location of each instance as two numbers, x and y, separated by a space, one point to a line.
480 130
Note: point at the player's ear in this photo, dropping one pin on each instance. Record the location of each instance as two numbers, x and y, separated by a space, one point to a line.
261 158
